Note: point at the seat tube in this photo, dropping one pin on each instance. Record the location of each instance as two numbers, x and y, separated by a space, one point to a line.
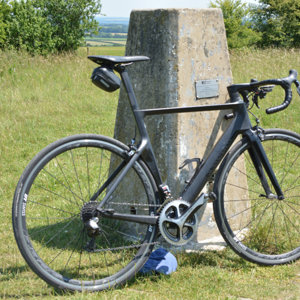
259 157
139 117
145 143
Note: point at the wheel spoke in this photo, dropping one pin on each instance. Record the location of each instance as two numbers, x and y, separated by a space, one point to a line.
57 234
286 226
245 200
67 181
269 228
122 233
63 249
63 185
56 206
286 202
243 211
259 221
244 188
78 181
253 220
293 187
292 165
247 175
274 227
291 222
51 207
69 258
262 229
88 172
45 228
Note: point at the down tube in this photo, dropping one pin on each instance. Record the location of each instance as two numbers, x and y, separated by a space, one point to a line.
193 189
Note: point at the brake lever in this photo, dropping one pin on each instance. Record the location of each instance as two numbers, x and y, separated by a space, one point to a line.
256 93
261 93
267 88
255 99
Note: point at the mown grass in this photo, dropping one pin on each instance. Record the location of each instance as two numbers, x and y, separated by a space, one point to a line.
113 42
44 99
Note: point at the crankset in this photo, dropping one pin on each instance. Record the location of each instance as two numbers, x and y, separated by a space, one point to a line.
178 220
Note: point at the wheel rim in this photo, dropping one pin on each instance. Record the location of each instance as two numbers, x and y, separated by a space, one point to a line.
55 194
265 227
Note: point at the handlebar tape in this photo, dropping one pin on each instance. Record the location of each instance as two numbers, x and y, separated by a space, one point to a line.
285 83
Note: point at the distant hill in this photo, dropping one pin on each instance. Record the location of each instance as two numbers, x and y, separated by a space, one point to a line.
113 32
112 21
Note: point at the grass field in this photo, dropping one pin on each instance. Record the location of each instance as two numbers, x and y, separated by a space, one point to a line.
44 99
110 42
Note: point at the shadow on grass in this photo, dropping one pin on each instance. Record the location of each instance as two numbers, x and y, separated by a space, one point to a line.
30 295
11 272
223 259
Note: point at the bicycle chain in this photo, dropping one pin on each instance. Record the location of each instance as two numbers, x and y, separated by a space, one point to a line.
136 245
168 198
125 247
135 204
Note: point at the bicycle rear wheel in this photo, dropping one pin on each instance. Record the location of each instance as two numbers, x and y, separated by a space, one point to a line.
52 204
261 230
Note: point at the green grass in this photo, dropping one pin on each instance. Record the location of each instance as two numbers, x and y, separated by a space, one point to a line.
44 99
267 64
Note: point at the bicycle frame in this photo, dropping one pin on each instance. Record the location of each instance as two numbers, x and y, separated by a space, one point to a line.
240 124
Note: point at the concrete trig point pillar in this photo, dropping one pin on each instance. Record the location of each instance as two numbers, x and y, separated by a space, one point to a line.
188 50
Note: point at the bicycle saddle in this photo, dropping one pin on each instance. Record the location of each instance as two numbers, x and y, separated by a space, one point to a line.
104 59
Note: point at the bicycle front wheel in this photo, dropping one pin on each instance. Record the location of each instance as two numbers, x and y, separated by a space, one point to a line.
261 230
52 203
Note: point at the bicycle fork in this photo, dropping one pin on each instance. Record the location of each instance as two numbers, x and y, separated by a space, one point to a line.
262 165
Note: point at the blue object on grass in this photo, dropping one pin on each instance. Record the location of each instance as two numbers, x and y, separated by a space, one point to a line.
161 261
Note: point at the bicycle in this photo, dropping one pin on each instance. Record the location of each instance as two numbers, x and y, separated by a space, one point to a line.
79 227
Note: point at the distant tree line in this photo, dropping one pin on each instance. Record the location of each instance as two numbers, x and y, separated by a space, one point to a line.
107 35
111 31
114 28
271 23
42 26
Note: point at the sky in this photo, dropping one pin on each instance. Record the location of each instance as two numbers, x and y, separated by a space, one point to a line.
122 8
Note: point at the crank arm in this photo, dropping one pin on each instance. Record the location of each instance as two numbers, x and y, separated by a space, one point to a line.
192 210
142 219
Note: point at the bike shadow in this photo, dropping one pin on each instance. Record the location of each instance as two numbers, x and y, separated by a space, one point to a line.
225 259
11 272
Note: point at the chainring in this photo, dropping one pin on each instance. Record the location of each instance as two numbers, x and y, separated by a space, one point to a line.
173 228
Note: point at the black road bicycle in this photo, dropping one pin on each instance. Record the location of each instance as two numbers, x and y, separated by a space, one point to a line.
80 227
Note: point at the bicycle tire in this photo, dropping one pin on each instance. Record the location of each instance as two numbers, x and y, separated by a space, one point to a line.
261 230
50 204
